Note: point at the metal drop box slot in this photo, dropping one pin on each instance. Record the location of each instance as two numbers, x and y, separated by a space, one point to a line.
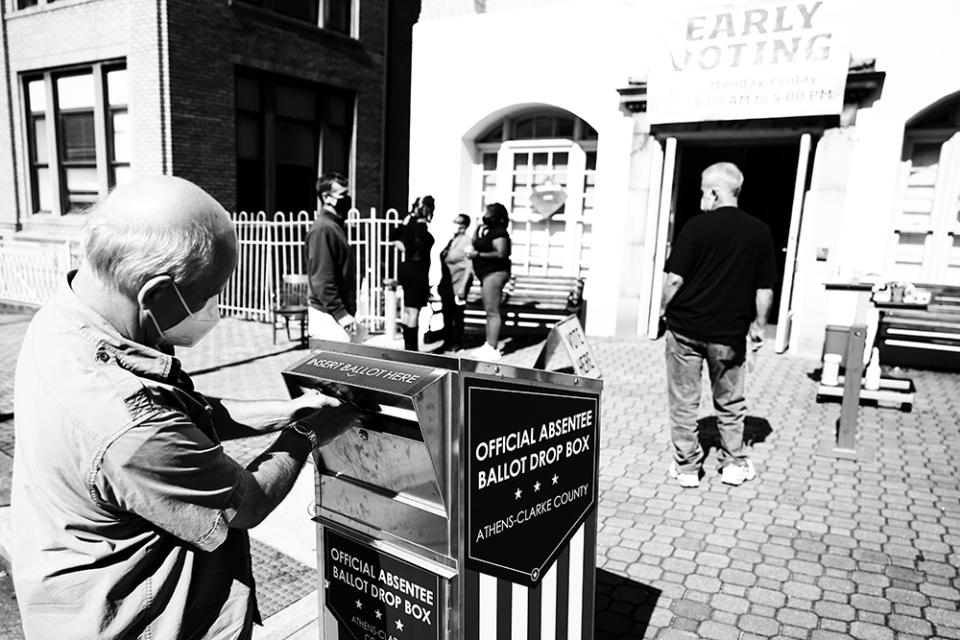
467 499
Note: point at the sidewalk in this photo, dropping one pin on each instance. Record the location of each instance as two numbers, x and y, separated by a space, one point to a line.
814 548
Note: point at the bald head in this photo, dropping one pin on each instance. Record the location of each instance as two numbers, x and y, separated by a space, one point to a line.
724 180
160 225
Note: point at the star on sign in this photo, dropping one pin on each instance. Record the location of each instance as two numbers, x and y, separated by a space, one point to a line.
517 494
536 486
399 626
378 614
555 478
359 605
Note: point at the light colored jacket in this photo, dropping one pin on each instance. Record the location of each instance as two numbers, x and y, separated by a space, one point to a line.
460 267
121 491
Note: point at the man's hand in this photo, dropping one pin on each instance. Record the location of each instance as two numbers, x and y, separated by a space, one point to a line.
349 323
756 335
661 327
334 420
310 401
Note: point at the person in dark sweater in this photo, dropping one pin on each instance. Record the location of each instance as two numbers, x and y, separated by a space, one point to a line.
717 293
331 266
415 242
491 263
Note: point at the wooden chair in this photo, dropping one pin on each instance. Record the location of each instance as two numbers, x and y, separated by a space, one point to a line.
291 304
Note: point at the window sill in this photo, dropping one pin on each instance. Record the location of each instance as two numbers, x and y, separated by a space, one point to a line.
302 25
42 224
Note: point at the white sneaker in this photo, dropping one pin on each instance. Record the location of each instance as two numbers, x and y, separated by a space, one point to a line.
487 353
737 474
686 480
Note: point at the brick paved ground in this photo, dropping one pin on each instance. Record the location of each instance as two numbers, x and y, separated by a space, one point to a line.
813 548
12 328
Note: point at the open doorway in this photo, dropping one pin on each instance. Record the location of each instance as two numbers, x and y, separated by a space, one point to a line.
770 173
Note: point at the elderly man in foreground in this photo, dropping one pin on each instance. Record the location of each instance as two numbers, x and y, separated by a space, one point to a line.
129 520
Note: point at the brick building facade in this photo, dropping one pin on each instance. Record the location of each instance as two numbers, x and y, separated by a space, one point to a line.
250 99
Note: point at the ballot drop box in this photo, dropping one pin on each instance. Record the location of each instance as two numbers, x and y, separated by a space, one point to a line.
464 507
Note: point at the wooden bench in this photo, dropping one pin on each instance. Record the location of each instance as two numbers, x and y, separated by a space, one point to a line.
923 338
531 304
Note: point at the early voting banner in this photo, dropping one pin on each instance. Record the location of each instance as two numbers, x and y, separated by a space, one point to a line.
755 59
531 467
375 595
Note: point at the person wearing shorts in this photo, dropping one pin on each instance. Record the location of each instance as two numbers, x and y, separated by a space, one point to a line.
491 264
414 240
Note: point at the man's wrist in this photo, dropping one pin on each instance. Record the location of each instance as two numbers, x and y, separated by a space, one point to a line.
305 430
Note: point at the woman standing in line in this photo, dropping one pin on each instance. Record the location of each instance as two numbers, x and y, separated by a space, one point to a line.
455 277
414 241
491 262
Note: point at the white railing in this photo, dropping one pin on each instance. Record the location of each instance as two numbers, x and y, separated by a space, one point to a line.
30 273
273 246
377 261
270 246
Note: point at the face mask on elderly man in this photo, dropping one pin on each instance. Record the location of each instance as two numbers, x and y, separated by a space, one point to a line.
192 328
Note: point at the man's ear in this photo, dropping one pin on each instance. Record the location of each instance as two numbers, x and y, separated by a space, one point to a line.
151 288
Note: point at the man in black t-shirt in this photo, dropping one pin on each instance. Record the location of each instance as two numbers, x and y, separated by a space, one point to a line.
717 293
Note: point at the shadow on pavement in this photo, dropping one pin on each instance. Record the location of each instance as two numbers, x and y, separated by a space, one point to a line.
754 430
623 608
237 363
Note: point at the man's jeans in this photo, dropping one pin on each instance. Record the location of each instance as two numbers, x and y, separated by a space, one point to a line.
725 365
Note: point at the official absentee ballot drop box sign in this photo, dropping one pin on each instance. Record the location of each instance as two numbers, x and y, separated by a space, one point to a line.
464 508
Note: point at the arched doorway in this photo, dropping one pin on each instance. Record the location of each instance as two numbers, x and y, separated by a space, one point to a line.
541 164
926 234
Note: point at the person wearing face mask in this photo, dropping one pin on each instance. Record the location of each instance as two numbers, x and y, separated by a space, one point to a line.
414 241
455 276
331 266
128 519
717 293
491 262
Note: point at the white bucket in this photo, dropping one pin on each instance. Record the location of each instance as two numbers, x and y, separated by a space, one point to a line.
830 375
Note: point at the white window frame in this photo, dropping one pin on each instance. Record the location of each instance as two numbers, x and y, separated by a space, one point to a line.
354 17
102 130
270 7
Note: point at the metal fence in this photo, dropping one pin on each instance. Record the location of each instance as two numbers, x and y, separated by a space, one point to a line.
270 246
273 246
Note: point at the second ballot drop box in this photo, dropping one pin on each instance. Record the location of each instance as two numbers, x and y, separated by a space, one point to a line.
466 505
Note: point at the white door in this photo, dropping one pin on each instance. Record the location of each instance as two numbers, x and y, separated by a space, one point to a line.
662 214
548 188
926 236
790 265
